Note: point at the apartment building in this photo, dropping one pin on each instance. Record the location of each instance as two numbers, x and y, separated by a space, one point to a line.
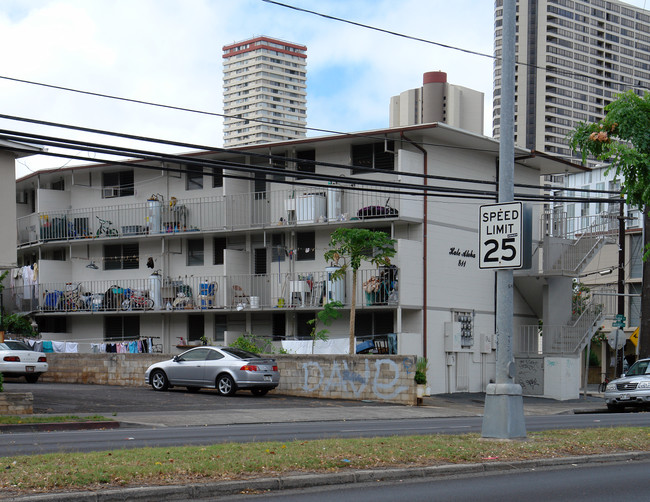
264 91
438 101
574 57
602 273
214 244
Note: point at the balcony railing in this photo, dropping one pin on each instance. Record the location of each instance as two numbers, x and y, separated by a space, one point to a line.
306 205
375 287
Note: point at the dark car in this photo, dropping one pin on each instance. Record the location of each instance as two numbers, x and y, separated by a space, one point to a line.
226 369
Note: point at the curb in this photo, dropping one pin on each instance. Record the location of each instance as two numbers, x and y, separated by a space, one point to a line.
203 491
58 426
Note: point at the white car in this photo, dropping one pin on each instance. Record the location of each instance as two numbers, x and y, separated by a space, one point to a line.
632 389
17 359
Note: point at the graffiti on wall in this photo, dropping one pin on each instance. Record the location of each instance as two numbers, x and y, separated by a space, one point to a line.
380 376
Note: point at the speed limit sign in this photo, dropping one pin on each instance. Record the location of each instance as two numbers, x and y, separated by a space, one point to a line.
502 236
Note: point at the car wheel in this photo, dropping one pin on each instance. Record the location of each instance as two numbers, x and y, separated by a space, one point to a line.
33 378
259 392
159 380
226 385
193 390
614 407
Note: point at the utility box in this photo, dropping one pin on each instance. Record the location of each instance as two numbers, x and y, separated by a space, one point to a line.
453 331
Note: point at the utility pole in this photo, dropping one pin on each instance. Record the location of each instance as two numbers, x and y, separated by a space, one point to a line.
644 332
621 281
503 416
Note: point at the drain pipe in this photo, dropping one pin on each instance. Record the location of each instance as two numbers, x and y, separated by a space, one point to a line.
424 245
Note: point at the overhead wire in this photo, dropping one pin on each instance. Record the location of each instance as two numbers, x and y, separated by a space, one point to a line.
387 187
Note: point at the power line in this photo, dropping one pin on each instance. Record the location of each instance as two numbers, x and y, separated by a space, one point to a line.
446 46
271 158
388 187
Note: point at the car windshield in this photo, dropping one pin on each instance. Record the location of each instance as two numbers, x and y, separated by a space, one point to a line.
239 353
638 368
16 345
4 346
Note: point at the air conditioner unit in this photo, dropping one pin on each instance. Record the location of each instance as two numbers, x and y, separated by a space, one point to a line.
21 197
109 192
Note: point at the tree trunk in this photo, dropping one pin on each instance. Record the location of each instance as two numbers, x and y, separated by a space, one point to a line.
353 309
644 332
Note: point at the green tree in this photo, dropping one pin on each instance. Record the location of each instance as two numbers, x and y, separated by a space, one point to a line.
622 138
356 245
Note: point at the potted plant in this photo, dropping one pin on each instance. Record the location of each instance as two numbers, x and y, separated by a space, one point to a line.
421 367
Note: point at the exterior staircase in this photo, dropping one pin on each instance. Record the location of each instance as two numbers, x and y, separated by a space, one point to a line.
569 245
567 249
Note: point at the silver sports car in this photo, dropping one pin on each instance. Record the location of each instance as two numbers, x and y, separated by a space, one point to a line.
226 369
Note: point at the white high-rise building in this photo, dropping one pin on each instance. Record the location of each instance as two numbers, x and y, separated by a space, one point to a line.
264 91
438 101
574 57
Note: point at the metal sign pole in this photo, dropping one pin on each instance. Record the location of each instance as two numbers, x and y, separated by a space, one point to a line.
503 416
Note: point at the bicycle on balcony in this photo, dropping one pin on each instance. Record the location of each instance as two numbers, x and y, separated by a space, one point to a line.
106 229
138 300
71 299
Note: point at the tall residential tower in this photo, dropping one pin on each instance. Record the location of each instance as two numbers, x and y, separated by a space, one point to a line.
264 91
574 57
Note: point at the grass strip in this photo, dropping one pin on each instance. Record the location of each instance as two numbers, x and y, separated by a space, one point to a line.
179 465
14 419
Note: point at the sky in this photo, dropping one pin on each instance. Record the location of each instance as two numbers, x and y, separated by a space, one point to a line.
170 52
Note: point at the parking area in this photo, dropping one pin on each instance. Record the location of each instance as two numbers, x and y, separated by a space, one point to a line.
59 398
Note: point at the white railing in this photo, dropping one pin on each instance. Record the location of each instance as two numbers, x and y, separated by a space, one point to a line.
298 206
568 339
576 239
375 287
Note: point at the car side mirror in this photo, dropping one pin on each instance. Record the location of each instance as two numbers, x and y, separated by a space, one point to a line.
176 359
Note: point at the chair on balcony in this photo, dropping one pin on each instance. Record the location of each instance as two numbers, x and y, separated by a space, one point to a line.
239 297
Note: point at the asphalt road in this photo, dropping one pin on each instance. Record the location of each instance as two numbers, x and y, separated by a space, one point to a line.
30 443
626 481
105 399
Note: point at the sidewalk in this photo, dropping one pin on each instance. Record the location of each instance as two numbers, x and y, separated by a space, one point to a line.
444 406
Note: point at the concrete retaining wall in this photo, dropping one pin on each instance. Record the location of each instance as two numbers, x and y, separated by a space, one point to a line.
16 403
363 377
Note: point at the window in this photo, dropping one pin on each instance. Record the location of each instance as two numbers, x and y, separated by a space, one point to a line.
217 177
309 166
303 329
260 261
219 247
58 185
373 323
260 186
117 184
635 256
121 256
118 328
277 247
305 242
194 178
373 156
194 252
195 327
56 324
220 327
278 326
